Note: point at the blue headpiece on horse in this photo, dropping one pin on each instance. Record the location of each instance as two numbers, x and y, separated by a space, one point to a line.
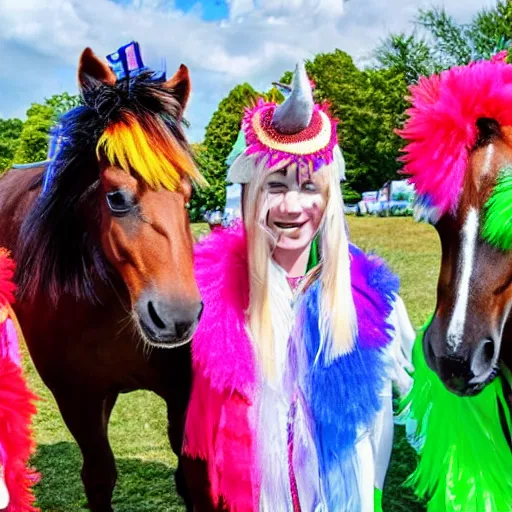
126 63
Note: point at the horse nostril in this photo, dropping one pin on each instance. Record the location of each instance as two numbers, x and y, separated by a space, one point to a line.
182 329
488 350
154 316
485 351
483 357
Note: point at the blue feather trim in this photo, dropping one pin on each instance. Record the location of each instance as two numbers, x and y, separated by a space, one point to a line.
344 398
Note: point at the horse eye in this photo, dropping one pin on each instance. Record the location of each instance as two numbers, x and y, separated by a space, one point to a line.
120 202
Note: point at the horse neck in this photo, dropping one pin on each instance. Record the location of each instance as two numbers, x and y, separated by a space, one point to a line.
16 199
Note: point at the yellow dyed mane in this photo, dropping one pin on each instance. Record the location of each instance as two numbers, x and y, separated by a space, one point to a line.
147 147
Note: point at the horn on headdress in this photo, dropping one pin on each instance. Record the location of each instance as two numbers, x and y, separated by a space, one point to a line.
294 114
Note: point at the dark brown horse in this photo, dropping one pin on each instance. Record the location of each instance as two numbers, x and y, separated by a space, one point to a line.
107 296
459 157
471 330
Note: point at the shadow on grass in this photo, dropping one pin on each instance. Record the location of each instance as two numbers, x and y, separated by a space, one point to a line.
397 497
142 486
149 486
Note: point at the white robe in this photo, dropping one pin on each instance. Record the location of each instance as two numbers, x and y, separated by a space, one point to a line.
373 448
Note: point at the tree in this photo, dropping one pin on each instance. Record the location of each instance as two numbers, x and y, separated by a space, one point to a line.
10 131
33 146
369 105
448 43
452 43
62 103
406 55
34 138
220 135
367 132
491 29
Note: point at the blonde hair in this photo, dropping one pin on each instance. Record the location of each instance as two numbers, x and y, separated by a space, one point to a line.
259 252
338 321
337 317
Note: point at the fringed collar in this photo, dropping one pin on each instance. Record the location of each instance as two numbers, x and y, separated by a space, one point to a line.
222 349
341 397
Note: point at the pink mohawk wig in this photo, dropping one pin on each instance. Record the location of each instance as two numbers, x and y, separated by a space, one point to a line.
441 129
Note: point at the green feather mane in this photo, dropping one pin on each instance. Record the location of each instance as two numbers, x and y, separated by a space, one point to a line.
497 229
465 459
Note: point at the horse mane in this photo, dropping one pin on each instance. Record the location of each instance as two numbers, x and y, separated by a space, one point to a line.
442 131
59 248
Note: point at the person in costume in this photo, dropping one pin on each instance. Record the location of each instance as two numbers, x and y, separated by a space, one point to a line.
290 408
16 406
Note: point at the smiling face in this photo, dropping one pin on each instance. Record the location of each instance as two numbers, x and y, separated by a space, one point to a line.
296 206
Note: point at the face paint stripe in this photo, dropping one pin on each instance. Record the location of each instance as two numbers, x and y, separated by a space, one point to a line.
466 260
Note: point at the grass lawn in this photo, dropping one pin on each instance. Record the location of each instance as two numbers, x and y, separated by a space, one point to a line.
138 425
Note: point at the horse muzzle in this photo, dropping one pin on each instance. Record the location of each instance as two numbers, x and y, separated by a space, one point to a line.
467 371
167 324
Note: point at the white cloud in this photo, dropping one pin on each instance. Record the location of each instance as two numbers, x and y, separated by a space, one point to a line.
301 8
238 8
41 40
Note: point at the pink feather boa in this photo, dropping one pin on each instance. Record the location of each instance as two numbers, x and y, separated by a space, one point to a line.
224 372
16 406
16 411
219 424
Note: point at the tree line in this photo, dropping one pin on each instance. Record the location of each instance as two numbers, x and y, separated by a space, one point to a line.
370 103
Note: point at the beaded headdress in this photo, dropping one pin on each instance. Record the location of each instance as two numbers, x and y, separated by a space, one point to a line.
296 131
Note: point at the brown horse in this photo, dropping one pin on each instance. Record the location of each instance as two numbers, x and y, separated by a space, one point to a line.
459 157
471 330
103 245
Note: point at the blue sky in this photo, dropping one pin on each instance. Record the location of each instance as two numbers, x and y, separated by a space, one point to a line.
212 9
223 42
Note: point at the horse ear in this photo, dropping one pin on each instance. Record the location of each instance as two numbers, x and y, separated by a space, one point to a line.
180 84
91 67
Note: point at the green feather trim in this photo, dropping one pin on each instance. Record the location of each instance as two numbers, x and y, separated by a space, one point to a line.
377 500
497 229
314 255
465 460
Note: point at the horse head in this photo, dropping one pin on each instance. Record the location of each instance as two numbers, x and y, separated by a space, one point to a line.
113 205
460 159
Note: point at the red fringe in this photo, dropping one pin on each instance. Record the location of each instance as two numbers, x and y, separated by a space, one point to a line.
7 287
16 410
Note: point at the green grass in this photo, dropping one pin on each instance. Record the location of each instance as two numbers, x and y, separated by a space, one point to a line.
138 426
